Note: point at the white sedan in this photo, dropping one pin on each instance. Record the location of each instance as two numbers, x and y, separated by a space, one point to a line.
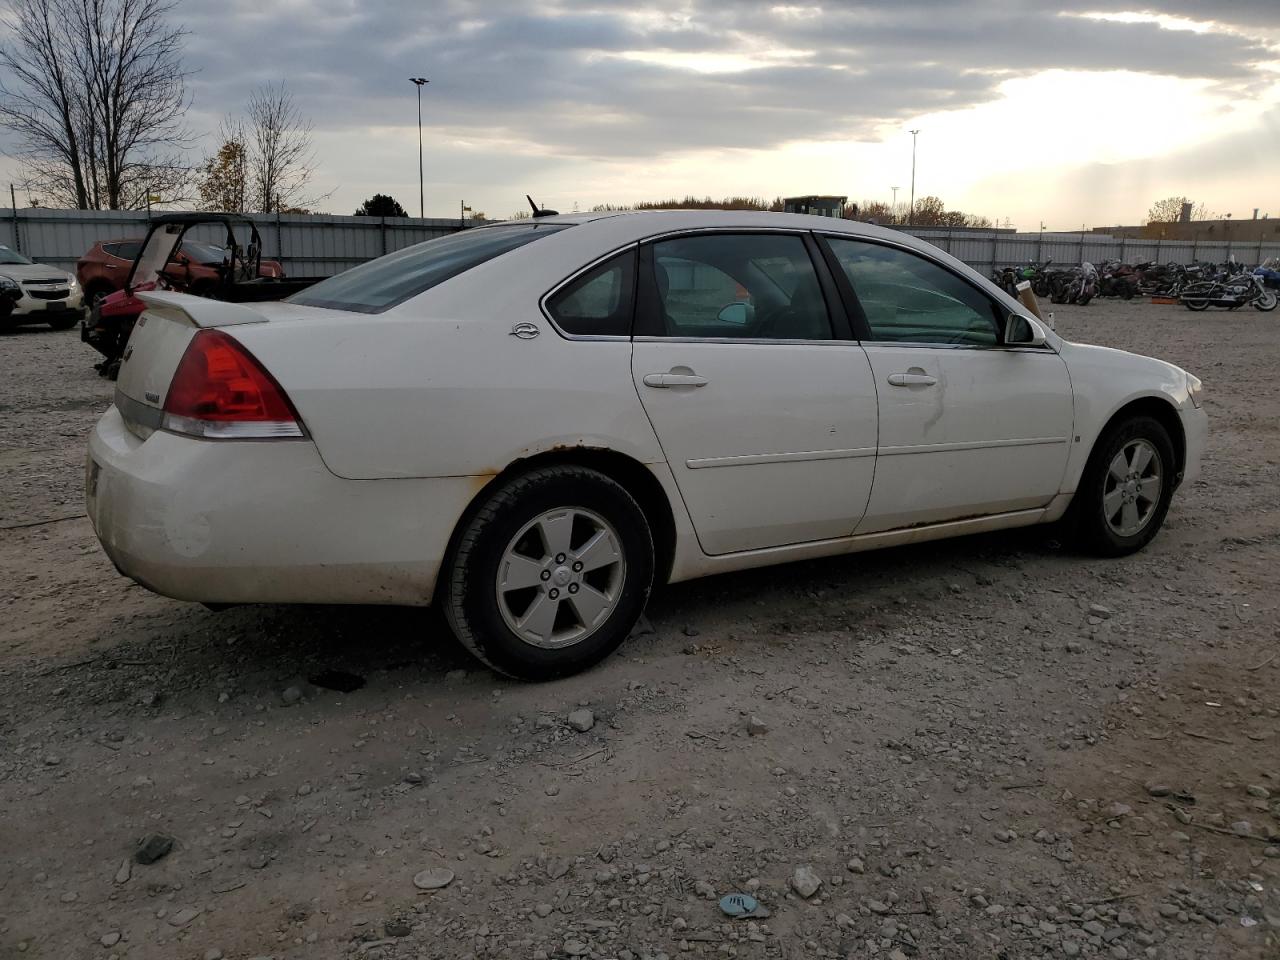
532 423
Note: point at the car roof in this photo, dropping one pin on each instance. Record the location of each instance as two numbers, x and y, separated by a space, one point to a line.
631 225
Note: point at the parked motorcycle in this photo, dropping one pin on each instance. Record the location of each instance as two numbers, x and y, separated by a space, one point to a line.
1160 279
1269 271
1078 285
1117 279
1230 294
1008 278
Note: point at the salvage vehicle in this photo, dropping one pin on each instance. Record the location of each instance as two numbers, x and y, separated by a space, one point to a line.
170 259
36 293
531 424
195 267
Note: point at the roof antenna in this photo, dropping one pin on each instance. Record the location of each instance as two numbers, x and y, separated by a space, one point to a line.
544 212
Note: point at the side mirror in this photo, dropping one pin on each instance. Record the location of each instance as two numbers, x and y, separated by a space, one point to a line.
1020 331
738 314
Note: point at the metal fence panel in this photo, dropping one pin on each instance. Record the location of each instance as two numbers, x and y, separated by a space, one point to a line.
307 244
987 250
318 245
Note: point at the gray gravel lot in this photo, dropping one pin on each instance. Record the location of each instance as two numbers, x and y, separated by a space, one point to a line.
990 747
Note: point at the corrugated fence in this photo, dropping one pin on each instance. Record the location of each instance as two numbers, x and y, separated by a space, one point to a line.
985 250
320 244
309 245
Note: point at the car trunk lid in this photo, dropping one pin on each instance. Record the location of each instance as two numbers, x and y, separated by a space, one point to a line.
159 339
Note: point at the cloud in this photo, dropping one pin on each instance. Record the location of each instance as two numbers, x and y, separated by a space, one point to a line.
589 85
559 75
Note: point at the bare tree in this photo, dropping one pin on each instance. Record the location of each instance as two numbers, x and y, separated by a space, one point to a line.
1169 210
281 157
95 91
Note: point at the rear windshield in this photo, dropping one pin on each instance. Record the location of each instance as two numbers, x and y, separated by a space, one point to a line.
380 284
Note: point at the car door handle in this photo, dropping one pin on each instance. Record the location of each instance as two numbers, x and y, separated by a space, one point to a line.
674 380
911 380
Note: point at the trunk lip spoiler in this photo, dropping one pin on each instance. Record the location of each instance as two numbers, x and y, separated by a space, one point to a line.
198 311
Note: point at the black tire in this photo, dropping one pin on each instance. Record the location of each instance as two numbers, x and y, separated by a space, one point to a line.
1086 519
469 591
96 294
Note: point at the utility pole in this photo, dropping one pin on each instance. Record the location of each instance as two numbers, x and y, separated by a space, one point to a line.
420 82
911 214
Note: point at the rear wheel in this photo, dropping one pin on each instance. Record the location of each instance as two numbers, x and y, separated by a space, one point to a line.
1126 488
551 574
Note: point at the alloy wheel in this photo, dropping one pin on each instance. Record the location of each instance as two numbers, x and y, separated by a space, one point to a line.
1132 487
560 577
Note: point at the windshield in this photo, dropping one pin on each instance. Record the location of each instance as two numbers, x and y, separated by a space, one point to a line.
204 253
155 254
11 256
380 284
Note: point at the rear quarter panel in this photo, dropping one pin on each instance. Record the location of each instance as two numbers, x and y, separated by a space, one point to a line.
438 386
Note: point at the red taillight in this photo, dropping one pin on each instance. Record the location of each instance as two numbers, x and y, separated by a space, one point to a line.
221 390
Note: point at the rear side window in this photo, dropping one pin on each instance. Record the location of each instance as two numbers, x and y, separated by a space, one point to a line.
599 302
125 250
381 284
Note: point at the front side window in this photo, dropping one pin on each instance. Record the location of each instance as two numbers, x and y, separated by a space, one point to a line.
381 284
743 286
599 302
909 299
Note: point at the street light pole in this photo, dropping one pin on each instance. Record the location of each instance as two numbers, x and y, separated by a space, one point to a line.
894 208
420 82
911 214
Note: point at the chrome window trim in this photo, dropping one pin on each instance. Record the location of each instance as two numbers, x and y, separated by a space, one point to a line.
995 347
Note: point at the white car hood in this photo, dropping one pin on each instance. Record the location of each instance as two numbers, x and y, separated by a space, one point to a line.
32 271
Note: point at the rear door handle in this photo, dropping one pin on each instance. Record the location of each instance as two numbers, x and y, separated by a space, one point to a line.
674 380
911 380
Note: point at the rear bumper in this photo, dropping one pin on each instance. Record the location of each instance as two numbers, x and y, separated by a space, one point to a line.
264 521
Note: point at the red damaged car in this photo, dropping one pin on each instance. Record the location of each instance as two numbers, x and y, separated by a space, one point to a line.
169 260
195 267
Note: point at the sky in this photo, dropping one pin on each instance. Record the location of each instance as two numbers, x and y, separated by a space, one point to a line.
1061 112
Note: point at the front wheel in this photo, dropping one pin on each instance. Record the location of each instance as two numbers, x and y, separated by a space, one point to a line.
1266 300
551 574
1126 488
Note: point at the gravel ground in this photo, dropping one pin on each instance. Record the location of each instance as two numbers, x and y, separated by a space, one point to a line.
990 747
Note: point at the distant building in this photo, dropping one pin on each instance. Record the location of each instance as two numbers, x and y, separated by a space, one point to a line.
1260 229
817 205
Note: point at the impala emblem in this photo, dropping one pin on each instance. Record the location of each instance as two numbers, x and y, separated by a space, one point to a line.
525 331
